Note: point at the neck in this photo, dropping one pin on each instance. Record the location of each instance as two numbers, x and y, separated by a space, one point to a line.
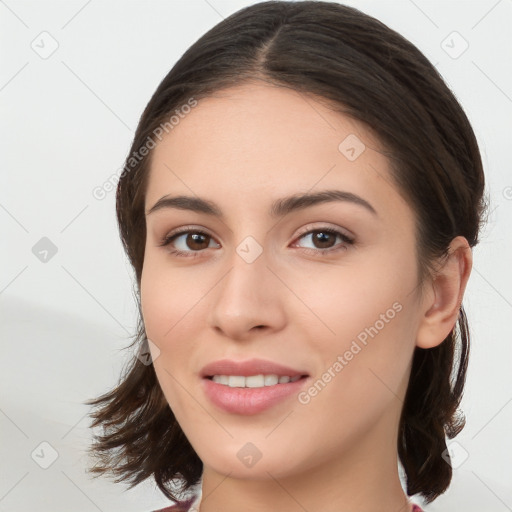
364 478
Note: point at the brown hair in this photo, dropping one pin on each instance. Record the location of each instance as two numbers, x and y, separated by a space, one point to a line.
365 70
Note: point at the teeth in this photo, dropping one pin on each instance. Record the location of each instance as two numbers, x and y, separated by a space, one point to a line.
271 380
253 381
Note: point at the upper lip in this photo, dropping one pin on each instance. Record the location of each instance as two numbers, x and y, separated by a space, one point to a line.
249 367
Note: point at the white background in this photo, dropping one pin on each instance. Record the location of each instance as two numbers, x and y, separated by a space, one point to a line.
67 122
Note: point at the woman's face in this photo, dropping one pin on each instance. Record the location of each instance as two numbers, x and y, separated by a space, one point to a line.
266 281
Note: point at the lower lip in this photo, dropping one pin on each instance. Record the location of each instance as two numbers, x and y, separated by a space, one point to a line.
249 400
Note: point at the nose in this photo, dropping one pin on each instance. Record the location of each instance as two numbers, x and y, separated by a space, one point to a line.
248 299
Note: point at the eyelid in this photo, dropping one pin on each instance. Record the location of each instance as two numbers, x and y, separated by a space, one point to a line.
306 229
186 229
311 227
346 236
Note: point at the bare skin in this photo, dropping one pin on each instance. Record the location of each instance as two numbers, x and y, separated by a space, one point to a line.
243 149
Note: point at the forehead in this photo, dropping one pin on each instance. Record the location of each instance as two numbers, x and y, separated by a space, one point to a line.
255 141
256 119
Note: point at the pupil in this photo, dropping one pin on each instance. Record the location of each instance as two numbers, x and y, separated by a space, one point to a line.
196 239
323 237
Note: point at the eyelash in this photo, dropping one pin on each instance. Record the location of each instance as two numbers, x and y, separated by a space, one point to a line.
347 241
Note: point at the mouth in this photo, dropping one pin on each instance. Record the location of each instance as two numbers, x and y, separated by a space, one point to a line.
254 381
252 369
252 394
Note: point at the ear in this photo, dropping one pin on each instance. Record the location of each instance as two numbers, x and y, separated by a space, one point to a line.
443 298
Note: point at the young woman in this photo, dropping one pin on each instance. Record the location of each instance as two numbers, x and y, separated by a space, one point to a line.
299 206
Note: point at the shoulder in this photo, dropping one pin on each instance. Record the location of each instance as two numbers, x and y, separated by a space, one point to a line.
182 506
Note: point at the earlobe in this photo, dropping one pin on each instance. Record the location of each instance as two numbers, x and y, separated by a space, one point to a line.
444 298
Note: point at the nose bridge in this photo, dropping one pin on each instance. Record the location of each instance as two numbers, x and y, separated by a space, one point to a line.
245 297
248 274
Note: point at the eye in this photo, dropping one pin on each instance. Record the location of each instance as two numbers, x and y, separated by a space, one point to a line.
193 239
197 241
325 237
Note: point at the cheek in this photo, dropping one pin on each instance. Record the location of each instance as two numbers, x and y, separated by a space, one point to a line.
364 369
345 303
173 310
164 306
166 298
156 305
367 317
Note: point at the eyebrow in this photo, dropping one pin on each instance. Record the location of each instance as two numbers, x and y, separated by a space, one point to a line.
279 208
